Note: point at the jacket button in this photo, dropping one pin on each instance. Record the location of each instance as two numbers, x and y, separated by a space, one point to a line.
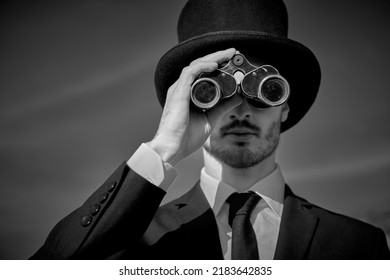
103 197
94 209
112 187
86 220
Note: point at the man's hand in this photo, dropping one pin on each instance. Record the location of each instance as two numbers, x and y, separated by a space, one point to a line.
183 130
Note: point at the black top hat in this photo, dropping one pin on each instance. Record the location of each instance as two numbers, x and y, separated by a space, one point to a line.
255 28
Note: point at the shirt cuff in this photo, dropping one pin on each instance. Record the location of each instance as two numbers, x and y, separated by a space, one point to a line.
147 163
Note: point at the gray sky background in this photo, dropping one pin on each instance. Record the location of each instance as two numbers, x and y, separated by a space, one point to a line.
77 98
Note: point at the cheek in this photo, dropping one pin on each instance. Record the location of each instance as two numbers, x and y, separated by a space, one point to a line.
214 138
217 128
265 118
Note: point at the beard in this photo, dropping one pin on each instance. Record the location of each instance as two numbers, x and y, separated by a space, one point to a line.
240 156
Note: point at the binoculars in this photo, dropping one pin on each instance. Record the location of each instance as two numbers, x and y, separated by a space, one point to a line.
262 86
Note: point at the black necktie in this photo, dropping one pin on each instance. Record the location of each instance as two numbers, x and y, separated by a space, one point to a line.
244 244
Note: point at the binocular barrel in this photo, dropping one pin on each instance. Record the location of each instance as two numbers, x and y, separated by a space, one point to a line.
205 93
264 86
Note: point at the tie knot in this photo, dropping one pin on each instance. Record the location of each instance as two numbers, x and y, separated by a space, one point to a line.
241 204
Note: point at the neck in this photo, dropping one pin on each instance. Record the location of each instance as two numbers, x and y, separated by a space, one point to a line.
240 179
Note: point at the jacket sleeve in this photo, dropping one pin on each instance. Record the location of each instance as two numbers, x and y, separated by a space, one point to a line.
113 217
381 251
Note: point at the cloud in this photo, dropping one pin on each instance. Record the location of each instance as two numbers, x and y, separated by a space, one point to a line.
72 91
349 166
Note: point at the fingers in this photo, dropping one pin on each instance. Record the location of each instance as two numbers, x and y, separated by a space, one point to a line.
192 71
207 63
219 57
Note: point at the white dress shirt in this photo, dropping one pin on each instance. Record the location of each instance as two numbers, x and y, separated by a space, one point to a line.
265 217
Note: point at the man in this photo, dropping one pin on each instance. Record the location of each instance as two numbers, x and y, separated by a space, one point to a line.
122 219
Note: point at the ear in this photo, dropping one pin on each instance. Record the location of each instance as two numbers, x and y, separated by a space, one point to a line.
285 110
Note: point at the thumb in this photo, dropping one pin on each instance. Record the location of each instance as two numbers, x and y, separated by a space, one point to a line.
216 113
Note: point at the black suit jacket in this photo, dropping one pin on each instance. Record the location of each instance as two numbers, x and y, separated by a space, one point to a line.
123 220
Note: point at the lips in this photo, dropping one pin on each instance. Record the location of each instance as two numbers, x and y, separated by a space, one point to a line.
240 134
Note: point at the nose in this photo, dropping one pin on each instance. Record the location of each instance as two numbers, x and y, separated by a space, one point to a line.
242 111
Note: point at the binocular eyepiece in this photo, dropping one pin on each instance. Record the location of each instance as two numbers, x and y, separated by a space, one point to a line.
262 86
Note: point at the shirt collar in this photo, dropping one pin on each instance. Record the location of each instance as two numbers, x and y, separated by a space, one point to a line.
270 188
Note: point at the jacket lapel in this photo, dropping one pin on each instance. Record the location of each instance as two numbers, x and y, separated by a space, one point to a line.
297 228
189 223
198 225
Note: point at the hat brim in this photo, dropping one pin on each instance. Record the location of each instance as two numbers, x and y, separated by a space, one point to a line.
294 61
